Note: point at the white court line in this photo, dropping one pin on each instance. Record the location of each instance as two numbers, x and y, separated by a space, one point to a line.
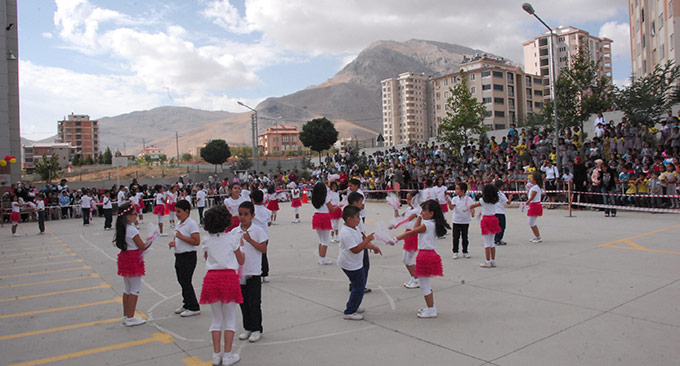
389 298
305 339
175 334
317 278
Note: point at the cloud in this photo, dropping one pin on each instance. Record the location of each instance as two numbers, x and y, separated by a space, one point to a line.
47 35
620 34
225 15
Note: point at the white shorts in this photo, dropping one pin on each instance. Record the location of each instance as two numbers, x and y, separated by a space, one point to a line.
409 258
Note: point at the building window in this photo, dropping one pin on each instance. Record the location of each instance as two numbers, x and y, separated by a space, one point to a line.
539 105
472 76
498 87
538 92
500 113
486 73
486 100
538 81
499 100
511 91
487 113
529 106
486 86
527 80
498 74
511 78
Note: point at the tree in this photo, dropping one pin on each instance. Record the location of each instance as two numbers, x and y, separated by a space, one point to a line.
243 163
646 99
76 161
146 158
48 168
118 153
216 152
88 160
318 134
242 151
187 157
108 159
163 158
464 116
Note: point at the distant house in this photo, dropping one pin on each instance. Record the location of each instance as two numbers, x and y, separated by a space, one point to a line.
154 151
32 153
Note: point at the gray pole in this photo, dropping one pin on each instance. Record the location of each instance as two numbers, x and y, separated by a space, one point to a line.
253 122
177 145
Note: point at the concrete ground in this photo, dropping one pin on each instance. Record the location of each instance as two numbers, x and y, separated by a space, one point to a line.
597 291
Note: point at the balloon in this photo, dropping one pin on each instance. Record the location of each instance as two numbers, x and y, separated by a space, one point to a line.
3 163
13 160
7 157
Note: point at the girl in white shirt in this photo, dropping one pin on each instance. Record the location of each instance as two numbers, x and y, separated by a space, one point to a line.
295 202
489 223
15 216
440 194
321 221
159 209
85 202
232 202
107 207
535 207
221 288
337 214
170 200
273 204
411 243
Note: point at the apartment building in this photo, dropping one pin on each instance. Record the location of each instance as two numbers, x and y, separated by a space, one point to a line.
279 139
33 153
81 132
153 151
652 33
568 41
405 115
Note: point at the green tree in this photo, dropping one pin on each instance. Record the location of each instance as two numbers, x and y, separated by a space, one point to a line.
464 116
318 134
647 98
163 158
243 163
108 158
242 151
48 168
216 152
88 160
146 158
187 157
76 160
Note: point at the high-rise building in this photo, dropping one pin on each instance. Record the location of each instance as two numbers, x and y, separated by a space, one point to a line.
10 139
568 41
81 132
652 34
508 93
404 102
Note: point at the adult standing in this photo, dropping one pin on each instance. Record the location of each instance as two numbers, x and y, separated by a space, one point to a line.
580 177
397 180
603 182
187 239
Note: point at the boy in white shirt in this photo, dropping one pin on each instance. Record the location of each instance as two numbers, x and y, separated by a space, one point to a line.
460 205
262 219
350 259
503 201
85 202
201 194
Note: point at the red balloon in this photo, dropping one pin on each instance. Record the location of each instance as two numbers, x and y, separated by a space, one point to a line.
7 157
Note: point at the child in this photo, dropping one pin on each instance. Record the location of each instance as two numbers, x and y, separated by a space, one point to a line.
489 224
15 216
534 203
170 199
503 200
139 198
232 202
221 287
187 238
356 199
295 202
350 259
461 205
85 204
201 195
410 243
107 207
273 204
262 219
439 193
40 208
321 221
335 214
430 225
134 200
654 187
159 210
253 244
130 261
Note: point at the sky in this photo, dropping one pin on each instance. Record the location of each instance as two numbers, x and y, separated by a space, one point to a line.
109 57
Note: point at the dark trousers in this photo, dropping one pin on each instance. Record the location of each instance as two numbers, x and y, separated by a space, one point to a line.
458 231
200 214
251 309
185 264
357 279
41 221
367 265
501 223
607 200
64 212
86 216
265 265
107 218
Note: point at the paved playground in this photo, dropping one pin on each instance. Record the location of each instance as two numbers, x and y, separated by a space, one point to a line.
597 291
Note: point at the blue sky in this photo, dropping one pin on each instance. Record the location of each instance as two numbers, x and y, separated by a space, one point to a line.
105 57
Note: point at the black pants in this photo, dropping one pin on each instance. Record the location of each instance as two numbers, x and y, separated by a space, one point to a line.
265 265
64 212
501 223
250 308
41 221
185 264
458 231
107 218
86 216
200 214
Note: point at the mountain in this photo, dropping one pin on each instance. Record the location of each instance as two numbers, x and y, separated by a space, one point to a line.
25 141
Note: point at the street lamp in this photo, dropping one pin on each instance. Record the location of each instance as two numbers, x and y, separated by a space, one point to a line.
253 122
553 80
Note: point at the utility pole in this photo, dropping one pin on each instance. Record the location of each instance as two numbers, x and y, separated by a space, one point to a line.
177 145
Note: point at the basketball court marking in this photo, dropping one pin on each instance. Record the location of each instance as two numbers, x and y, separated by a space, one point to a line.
628 243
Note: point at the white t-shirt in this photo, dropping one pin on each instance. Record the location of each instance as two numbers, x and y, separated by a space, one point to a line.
271 196
537 197
134 200
140 197
188 227
461 213
502 201
262 218
85 201
427 240
253 264
159 198
362 213
440 194
130 233
334 197
232 204
412 211
488 209
428 194
107 203
551 172
324 207
200 198
171 197
350 238
121 197
41 205
221 248
295 193
15 207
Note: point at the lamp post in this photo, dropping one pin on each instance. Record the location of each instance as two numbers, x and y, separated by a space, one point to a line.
253 122
553 80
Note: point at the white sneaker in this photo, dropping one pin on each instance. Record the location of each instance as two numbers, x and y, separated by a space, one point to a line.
295 221
179 310
245 335
427 313
164 234
455 256
131 322
536 240
466 255
361 310
230 358
493 264
324 261
485 265
412 283
217 359
187 313
265 279
16 235
355 316
255 336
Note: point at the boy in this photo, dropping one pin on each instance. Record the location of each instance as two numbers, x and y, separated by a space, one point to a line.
356 199
262 219
352 243
253 244
107 207
460 206
40 208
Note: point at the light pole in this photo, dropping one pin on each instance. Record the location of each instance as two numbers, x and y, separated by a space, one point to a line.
553 80
253 121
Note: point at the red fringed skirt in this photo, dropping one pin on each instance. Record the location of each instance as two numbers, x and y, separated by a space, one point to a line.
273 205
428 264
296 202
15 217
159 210
411 243
337 214
131 263
445 207
235 222
321 221
221 285
535 209
490 225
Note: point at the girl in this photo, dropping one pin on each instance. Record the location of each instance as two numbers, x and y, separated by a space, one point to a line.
159 210
410 243
130 261
134 201
187 238
140 204
440 194
15 216
295 202
534 203
321 221
337 214
273 204
489 223
430 225
503 201
232 202
221 288
461 205
170 199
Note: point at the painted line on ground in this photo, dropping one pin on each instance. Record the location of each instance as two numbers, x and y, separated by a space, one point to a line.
32 253
58 329
91 275
100 286
389 298
41 264
631 245
34 258
62 308
31 248
642 235
45 272
156 337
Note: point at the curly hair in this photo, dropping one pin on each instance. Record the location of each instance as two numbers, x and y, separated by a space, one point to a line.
217 219
490 193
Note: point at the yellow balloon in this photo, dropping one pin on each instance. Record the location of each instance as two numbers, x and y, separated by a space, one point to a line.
13 160
3 163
